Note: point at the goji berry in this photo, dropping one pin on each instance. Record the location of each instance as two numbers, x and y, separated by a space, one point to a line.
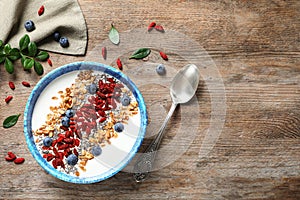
49 62
151 26
8 99
104 52
11 85
41 10
19 160
119 64
25 83
10 159
163 55
159 28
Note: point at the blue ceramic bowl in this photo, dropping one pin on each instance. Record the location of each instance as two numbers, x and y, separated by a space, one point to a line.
60 76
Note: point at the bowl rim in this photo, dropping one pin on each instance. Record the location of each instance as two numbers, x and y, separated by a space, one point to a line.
44 82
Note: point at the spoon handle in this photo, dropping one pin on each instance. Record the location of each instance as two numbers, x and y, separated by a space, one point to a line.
145 162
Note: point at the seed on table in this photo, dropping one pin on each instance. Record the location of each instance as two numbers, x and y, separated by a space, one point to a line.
41 10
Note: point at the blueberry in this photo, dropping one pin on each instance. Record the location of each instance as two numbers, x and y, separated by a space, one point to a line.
160 69
56 36
47 141
119 127
70 113
125 100
29 25
72 159
64 42
65 121
96 151
92 88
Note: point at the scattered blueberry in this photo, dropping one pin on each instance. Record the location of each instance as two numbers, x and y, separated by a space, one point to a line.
125 100
47 141
119 127
96 151
56 36
160 69
29 25
64 42
92 88
70 113
72 159
65 121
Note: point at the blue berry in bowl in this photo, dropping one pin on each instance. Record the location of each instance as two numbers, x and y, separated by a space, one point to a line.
72 159
64 42
119 127
65 121
92 89
47 141
160 69
29 25
70 113
125 100
56 36
96 151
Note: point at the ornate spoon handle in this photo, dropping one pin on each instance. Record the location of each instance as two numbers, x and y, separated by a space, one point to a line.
145 162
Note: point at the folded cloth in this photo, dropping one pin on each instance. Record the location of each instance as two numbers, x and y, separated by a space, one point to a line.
64 16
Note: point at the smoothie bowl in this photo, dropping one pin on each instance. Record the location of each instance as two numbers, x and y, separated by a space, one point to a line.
84 122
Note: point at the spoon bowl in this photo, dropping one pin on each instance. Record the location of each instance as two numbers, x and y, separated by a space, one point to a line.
184 84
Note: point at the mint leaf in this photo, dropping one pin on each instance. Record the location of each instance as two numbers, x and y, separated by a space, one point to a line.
140 53
11 121
9 66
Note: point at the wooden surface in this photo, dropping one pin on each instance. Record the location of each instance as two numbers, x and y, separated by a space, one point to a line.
255 45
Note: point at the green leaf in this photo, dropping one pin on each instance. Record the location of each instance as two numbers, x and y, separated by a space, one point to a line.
38 68
28 63
114 35
24 41
2 57
11 121
1 43
14 54
42 56
9 66
7 48
23 59
32 49
140 53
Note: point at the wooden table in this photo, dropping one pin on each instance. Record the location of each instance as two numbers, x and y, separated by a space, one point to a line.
255 46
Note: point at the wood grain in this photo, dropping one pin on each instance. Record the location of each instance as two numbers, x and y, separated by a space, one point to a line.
256 48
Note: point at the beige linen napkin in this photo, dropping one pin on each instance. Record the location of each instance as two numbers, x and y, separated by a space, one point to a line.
64 16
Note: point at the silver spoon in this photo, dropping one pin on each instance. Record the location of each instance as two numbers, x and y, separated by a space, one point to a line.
183 88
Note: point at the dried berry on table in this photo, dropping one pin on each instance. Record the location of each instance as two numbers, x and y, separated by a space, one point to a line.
11 85
163 55
25 83
49 62
159 28
19 160
41 10
151 26
8 99
119 64
104 52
